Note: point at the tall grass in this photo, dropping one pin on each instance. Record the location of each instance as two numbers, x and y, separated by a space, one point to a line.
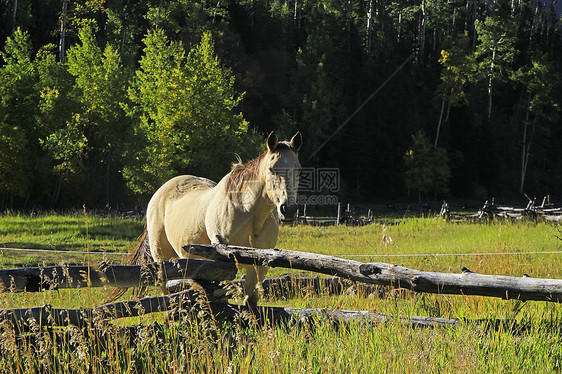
497 335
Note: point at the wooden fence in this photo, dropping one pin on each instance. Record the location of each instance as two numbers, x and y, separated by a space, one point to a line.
123 276
221 266
344 216
488 211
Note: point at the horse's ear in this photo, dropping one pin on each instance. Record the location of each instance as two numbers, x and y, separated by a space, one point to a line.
296 141
272 142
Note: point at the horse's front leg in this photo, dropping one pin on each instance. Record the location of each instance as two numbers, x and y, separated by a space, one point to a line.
251 295
253 283
266 239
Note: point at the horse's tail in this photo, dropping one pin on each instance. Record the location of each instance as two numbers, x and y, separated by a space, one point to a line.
140 256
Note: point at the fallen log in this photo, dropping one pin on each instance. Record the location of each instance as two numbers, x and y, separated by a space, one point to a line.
46 316
466 283
122 276
214 290
276 315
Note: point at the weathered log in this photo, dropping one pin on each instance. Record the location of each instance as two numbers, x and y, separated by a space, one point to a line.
49 316
44 316
467 283
215 291
276 315
123 276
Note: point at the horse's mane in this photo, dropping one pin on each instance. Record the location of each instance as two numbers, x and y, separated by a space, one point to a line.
241 174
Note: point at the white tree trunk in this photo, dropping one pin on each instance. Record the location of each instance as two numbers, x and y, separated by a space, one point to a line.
490 83
422 33
62 41
14 16
439 122
369 26
526 146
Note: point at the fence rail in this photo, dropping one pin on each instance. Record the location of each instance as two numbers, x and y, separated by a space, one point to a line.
124 276
466 283
186 300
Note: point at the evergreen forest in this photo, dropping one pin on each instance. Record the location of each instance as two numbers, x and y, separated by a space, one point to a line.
101 101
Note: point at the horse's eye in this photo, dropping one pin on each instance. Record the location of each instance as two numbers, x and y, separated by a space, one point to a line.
271 170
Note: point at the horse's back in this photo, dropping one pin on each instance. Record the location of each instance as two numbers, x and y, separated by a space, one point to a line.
179 188
185 184
176 215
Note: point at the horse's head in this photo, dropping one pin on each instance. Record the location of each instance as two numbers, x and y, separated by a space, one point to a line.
281 174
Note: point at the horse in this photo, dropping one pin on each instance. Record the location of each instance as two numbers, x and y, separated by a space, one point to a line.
244 208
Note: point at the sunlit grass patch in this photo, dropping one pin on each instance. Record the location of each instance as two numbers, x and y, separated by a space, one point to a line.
78 233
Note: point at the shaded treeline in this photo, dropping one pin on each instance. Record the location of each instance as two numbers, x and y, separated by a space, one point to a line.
101 101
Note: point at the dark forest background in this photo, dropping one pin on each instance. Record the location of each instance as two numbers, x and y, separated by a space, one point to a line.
101 101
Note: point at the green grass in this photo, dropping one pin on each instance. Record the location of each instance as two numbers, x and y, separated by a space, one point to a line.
78 233
431 237
499 335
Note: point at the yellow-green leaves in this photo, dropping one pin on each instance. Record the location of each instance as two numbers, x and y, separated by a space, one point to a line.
183 105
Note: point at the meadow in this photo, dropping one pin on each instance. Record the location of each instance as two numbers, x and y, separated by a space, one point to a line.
495 335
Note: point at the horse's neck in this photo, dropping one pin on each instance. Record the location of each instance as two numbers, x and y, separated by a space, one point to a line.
251 198
262 206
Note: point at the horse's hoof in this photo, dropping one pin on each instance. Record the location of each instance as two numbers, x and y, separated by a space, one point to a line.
250 301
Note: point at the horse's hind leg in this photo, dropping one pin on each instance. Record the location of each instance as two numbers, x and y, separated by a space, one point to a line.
252 283
160 247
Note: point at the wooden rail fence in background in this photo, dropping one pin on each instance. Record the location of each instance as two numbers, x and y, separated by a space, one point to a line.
488 211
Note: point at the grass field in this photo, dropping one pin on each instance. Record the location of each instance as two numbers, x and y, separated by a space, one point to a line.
498 335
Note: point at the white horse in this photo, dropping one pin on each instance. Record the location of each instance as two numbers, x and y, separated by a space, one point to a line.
243 209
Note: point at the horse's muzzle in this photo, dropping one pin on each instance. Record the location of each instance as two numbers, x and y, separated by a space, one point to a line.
288 212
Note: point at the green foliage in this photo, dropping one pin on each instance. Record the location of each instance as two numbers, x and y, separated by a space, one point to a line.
61 137
99 121
101 84
458 66
17 106
427 169
186 104
67 146
495 49
115 119
541 82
